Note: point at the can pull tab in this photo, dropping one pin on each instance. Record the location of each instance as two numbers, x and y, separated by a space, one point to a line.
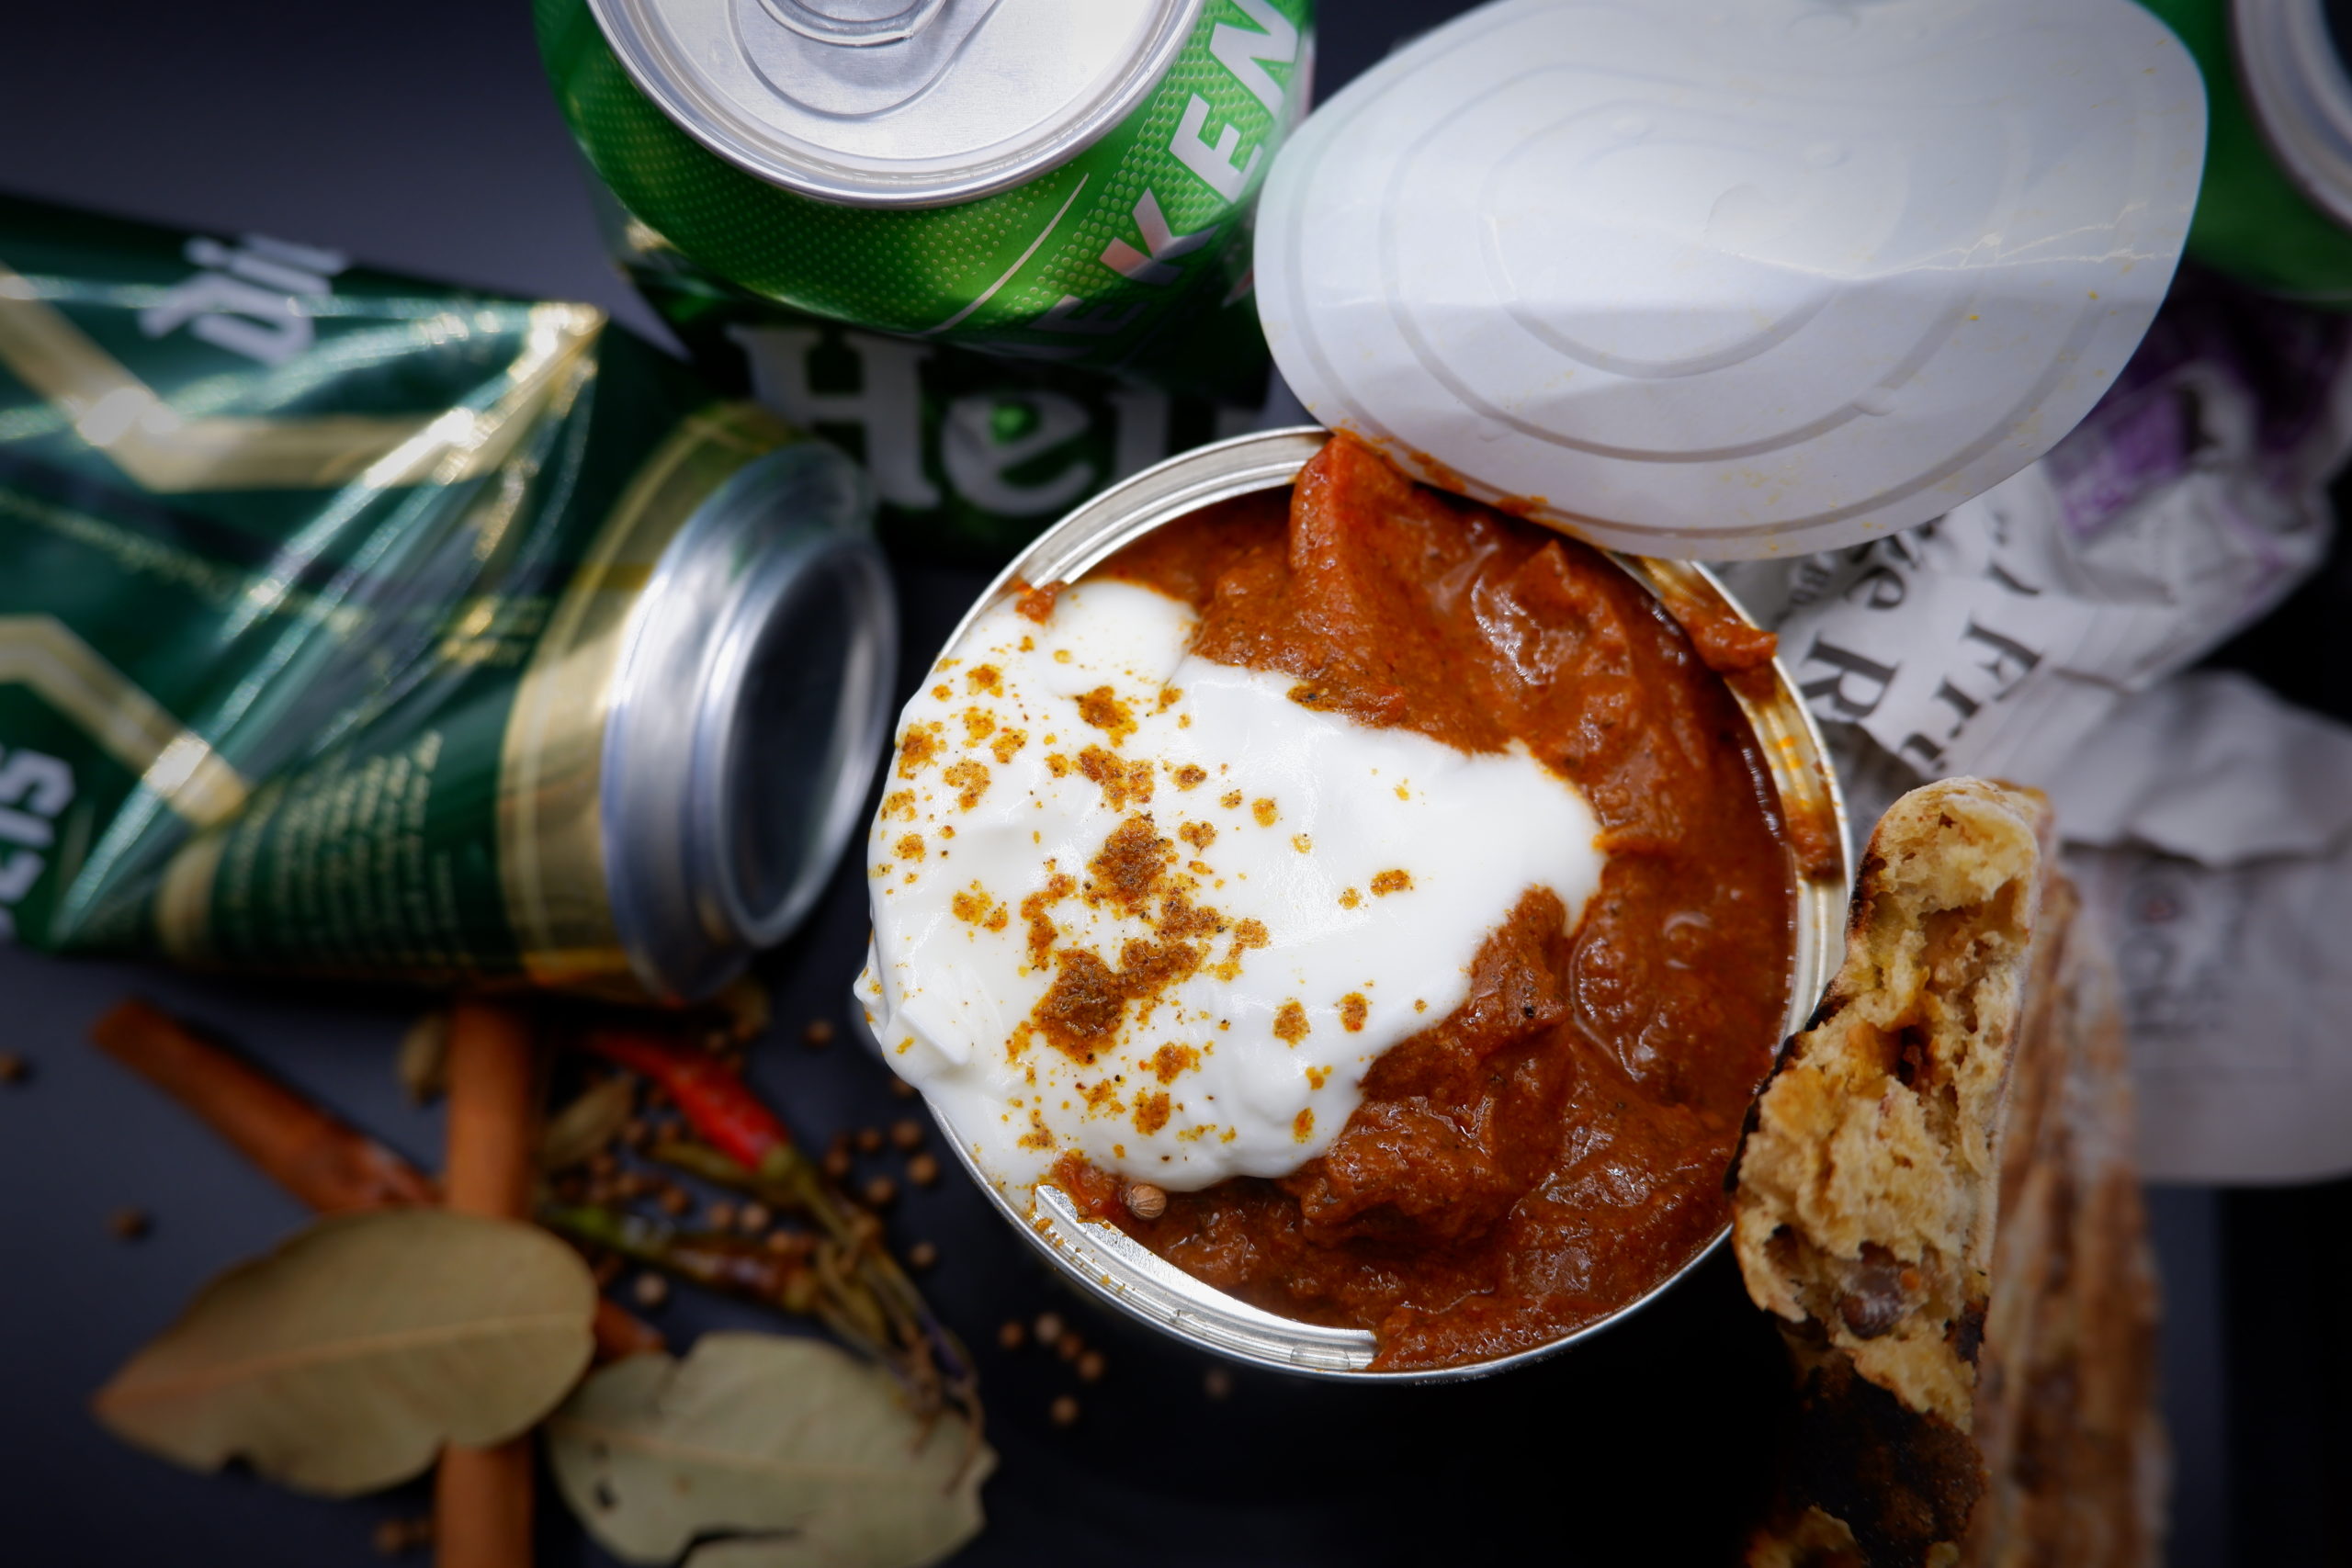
858 24
854 58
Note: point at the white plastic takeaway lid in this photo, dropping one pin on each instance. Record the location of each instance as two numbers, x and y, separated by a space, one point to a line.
1730 278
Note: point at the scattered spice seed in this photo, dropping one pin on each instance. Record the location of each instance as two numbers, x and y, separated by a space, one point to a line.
923 1169
423 1060
786 1244
1089 1367
675 1201
746 1004
1064 1411
1070 1346
650 1289
1146 1202
130 1224
921 1255
902 1088
1050 1327
755 1218
837 1163
869 1140
720 1215
398 1537
636 1133
1011 1335
14 1069
817 1034
906 1133
881 1192
603 1163
1217 1383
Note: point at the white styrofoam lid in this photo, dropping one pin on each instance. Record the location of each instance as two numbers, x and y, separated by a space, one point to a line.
1729 278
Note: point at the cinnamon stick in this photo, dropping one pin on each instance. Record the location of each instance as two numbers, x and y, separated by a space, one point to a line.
313 1154
494 1110
322 1160
482 1497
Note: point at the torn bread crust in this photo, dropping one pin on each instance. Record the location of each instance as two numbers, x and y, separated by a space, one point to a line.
2066 1421
1867 1186
2057 1458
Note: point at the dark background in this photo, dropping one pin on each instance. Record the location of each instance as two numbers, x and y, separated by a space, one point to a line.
421 138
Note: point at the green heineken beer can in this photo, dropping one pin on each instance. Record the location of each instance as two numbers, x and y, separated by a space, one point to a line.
971 456
2274 208
360 626
1062 181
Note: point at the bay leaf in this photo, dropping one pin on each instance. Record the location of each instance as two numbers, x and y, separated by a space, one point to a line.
341 1361
760 1450
581 1128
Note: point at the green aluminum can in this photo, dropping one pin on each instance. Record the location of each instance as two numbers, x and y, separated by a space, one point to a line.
1064 181
2275 207
356 626
971 456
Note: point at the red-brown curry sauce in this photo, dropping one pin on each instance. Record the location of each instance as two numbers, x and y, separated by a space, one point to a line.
1556 1147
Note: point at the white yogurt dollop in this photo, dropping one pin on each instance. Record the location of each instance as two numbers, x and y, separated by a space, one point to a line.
1095 845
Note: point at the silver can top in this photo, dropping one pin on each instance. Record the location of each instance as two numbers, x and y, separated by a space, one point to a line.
2297 74
897 103
752 705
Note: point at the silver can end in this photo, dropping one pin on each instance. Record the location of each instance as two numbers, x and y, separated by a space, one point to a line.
751 707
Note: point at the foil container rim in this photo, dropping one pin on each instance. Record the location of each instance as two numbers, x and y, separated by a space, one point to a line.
1110 1266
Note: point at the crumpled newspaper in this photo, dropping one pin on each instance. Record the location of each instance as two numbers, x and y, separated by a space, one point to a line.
2037 634
2210 826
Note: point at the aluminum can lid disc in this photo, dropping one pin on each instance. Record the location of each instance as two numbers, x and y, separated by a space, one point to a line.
895 103
2292 66
1729 281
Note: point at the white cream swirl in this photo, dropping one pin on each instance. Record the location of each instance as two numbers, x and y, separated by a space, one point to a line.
1144 907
